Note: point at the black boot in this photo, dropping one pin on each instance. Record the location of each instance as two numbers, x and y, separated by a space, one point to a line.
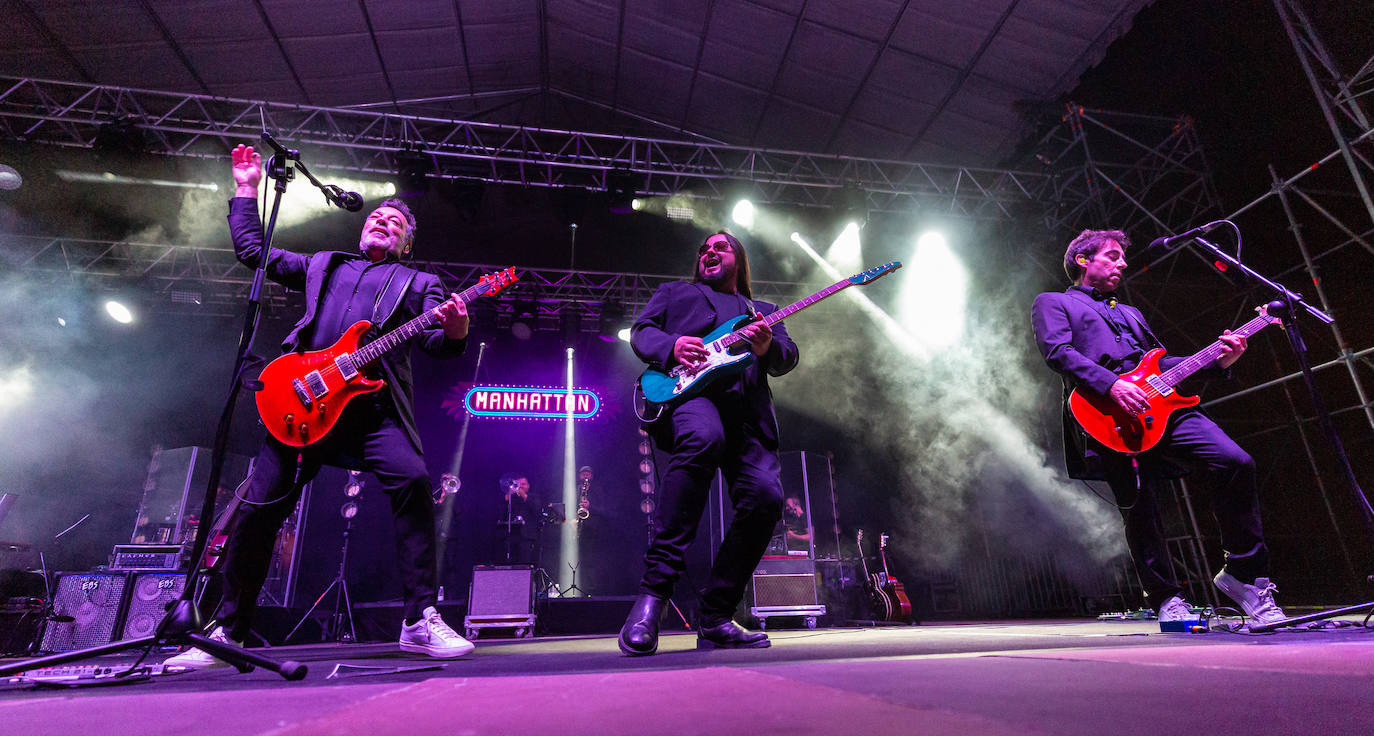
730 635
639 635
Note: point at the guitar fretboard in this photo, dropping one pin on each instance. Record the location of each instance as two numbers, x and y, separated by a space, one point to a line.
729 340
1204 357
397 337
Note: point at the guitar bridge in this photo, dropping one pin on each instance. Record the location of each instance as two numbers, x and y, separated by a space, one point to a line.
301 393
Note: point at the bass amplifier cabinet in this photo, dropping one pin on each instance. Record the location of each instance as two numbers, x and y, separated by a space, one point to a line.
95 601
149 595
501 596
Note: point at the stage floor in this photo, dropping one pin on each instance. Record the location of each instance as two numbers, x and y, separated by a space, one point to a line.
1049 677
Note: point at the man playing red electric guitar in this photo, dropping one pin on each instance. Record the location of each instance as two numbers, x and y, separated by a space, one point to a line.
1090 338
375 432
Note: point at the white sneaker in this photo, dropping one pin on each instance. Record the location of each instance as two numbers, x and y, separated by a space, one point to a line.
1176 609
195 659
1256 600
430 635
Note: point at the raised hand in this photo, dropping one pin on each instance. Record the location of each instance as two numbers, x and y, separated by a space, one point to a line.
247 170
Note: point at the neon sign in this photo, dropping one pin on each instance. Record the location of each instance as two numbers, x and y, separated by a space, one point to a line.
531 402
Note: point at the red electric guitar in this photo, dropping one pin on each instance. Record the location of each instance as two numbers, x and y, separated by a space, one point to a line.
1105 421
303 394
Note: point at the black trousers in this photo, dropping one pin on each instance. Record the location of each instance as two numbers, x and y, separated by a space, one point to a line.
1195 441
367 437
707 434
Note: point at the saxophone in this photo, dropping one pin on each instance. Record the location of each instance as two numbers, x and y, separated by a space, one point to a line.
584 486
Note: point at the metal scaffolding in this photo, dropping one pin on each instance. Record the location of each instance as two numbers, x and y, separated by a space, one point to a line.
379 143
209 281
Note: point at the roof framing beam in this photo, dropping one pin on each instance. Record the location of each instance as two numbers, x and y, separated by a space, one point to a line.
210 281
67 113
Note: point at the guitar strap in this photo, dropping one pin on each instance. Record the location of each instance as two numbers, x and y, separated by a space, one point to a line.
383 297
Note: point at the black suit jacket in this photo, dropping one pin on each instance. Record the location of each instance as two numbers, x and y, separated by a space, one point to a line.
410 293
680 308
1080 342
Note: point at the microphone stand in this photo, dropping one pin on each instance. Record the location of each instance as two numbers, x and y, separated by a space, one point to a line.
1287 306
182 626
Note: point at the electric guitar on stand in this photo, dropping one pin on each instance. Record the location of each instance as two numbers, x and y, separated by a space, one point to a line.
728 351
303 394
1105 421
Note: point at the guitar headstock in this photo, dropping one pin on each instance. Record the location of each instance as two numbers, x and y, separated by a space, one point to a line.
864 277
495 282
860 539
882 541
1263 310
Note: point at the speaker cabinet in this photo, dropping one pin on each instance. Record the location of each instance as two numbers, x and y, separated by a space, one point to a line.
95 601
501 596
784 590
148 598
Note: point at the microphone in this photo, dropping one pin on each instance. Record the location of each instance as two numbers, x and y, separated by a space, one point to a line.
1169 242
351 201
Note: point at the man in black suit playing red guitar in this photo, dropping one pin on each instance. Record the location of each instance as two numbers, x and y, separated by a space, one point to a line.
376 432
729 426
1089 338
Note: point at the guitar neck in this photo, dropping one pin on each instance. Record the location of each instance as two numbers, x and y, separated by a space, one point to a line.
399 336
789 310
1206 356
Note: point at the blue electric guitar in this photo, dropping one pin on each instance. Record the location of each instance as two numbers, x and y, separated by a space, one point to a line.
728 351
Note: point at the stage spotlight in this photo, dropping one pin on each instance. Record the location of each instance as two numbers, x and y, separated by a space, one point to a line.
844 253
646 504
636 204
646 485
934 294
609 320
354 487
15 387
621 187
743 213
570 323
412 172
624 334
9 178
120 137
118 312
853 204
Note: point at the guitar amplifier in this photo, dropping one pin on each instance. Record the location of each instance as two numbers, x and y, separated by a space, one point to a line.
786 587
146 557
95 601
501 596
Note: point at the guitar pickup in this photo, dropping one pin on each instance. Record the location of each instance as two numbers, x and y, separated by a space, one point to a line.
1163 388
346 367
301 393
315 382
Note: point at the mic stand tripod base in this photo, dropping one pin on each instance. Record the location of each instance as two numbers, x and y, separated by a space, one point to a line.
180 627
